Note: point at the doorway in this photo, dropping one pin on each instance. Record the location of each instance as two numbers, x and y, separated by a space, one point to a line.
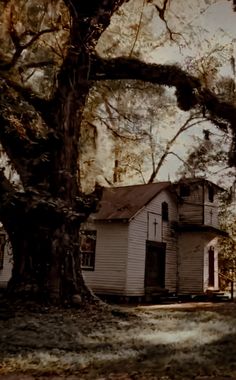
155 264
211 267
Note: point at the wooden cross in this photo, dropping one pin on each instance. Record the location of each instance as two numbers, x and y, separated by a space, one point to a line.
155 227
211 216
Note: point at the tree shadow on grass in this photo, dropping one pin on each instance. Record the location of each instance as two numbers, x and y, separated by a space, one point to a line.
175 359
211 359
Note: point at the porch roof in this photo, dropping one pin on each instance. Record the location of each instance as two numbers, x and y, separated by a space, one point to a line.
201 228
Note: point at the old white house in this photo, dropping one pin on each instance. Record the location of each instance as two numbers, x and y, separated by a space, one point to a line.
150 238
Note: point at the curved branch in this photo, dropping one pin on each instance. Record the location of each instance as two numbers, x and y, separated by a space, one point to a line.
170 143
161 13
189 91
19 48
168 75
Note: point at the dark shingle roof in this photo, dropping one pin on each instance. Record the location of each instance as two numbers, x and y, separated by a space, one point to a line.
124 202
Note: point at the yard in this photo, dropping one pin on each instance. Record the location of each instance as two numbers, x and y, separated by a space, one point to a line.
182 341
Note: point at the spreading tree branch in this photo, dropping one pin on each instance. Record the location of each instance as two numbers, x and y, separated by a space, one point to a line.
162 12
189 91
19 47
168 75
190 122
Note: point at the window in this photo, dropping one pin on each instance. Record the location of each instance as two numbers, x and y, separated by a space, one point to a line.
87 249
2 247
165 211
184 190
211 194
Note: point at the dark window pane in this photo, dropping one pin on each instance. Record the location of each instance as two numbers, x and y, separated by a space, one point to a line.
87 249
184 190
211 194
165 211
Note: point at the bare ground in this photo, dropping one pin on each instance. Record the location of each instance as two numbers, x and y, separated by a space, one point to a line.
182 341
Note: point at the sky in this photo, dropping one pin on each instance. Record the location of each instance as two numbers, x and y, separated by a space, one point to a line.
217 25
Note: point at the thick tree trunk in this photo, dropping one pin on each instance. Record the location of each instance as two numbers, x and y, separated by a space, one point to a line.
47 263
45 234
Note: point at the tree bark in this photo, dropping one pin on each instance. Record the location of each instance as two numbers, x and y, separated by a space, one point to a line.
46 259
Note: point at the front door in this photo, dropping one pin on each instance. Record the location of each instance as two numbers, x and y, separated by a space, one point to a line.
155 264
211 266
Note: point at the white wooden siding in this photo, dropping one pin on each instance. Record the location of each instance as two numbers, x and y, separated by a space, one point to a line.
190 263
193 262
135 274
208 244
154 226
211 215
5 273
138 233
109 275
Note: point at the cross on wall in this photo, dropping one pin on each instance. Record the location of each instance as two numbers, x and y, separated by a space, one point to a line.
155 227
211 216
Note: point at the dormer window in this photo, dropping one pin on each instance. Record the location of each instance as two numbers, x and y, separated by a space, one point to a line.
165 211
211 194
184 190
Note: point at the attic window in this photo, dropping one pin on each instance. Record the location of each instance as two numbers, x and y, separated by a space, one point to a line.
165 211
87 249
211 194
2 247
184 190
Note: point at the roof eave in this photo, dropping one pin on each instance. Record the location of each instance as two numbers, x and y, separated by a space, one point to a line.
201 228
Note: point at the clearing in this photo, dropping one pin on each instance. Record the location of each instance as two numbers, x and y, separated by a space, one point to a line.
182 341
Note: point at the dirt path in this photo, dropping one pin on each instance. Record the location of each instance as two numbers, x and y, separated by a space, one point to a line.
172 342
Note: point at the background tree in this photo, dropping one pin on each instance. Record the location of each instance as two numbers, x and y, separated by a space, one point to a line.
48 64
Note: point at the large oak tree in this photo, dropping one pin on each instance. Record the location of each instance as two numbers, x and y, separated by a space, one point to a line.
40 130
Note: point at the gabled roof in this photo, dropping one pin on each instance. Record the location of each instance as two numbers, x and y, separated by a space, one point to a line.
197 180
124 202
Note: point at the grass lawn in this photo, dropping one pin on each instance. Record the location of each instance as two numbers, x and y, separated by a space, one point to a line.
183 341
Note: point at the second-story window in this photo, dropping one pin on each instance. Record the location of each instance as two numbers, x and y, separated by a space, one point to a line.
211 194
184 190
165 211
